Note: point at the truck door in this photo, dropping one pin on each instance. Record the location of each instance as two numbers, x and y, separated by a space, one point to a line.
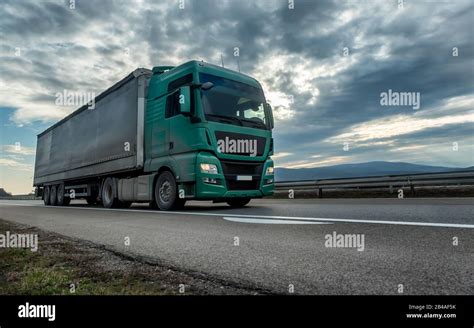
159 127
159 114
182 134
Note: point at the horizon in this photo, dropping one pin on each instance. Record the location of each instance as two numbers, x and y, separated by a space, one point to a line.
378 161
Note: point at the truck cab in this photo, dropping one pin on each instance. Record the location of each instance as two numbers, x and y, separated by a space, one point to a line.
207 136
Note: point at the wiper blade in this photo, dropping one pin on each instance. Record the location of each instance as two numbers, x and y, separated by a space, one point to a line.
229 118
254 122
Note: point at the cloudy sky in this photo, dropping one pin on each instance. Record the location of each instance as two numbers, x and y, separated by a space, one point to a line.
324 66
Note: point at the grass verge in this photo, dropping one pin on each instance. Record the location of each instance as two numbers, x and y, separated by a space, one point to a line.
63 266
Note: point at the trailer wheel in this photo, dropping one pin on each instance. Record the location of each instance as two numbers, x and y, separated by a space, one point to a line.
46 192
166 192
238 202
53 196
108 198
60 199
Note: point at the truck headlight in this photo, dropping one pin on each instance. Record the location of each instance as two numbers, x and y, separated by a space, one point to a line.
208 168
269 170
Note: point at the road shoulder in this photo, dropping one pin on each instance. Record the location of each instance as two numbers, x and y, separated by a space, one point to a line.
67 266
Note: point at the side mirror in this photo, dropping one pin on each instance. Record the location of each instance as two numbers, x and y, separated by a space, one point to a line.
270 115
185 100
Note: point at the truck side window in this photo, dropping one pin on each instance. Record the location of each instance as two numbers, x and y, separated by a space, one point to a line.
172 101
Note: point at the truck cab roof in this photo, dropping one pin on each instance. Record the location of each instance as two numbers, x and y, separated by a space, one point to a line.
167 72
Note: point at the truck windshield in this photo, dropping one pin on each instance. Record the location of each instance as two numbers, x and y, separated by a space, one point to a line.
233 102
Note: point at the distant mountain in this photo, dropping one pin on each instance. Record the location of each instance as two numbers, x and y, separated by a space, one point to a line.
3 193
358 170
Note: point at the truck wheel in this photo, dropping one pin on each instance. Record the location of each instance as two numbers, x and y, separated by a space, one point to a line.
166 192
108 199
60 199
238 202
46 193
53 200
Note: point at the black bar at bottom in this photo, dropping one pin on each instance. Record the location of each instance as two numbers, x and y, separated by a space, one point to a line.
402 311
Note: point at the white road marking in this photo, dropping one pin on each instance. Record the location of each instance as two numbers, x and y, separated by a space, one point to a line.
409 223
270 221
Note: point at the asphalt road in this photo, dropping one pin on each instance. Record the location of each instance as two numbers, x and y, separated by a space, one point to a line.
273 245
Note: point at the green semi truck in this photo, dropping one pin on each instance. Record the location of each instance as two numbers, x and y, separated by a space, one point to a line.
163 136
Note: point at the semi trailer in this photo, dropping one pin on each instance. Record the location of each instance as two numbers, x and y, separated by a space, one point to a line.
162 136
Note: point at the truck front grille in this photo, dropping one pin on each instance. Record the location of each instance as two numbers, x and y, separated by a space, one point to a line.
233 168
246 168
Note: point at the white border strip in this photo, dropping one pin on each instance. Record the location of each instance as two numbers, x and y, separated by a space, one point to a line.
270 221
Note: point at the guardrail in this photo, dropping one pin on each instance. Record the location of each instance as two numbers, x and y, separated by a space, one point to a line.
458 178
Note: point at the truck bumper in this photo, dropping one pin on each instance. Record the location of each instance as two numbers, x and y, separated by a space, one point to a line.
215 186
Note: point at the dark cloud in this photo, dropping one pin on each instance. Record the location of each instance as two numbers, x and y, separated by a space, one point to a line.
27 20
